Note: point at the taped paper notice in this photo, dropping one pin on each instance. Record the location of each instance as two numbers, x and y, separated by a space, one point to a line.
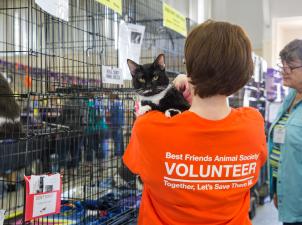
57 8
42 195
44 204
115 5
129 44
44 183
174 20
2 216
112 75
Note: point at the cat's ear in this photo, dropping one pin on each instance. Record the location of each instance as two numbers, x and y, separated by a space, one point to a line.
132 66
160 61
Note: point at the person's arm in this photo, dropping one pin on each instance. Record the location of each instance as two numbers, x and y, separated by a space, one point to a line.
181 83
264 154
264 150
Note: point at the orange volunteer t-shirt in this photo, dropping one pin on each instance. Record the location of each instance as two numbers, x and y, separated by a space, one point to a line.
197 171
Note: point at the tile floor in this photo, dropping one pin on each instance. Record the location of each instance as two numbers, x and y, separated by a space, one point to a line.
266 215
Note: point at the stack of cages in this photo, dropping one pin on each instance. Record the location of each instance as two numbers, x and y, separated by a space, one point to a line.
253 94
56 115
159 39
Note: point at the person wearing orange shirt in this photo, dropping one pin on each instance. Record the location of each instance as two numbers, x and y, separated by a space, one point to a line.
198 166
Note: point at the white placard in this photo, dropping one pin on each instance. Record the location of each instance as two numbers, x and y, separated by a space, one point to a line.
279 134
44 183
57 8
2 216
44 204
129 46
273 109
112 75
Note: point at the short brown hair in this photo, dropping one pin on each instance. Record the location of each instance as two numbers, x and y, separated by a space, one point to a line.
218 58
292 51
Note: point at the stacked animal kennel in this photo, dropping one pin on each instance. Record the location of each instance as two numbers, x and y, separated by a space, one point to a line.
72 123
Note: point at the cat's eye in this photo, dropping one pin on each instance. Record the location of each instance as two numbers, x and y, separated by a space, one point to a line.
155 77
141 80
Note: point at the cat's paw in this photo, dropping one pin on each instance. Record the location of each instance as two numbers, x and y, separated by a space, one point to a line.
143 109
172 112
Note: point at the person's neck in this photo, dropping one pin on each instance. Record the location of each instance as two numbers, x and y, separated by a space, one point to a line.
212 108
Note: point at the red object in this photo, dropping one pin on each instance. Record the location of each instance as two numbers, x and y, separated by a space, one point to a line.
29 200
28 81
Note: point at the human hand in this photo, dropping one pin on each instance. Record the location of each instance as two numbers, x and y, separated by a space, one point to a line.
275 199
181 83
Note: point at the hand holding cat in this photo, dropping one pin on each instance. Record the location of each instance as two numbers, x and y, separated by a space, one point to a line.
181 83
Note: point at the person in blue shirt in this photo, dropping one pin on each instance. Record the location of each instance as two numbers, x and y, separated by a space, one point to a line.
285 140
116 121
95 127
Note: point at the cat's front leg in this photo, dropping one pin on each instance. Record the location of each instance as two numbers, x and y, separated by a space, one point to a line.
145 106
143 109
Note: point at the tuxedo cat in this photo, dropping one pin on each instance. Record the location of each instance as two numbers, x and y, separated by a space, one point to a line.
10 125
151 83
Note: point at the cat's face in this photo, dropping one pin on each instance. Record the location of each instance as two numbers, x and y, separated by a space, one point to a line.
149 79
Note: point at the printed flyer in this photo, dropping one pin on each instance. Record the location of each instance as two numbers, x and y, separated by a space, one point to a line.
42 196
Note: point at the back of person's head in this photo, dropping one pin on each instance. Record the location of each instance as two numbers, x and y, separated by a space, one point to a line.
218 58
292 51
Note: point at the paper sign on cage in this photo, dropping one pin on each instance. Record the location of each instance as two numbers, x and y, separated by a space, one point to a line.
129 46
112 75
174 20
57 8
43 195
2 216
115 5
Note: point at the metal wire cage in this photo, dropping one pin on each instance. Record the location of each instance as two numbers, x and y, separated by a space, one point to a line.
56 114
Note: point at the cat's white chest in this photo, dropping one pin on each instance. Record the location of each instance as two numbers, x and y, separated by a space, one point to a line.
140 110
155 98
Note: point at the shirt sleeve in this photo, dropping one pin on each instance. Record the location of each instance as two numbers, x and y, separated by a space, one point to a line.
261 132
264 150
131 156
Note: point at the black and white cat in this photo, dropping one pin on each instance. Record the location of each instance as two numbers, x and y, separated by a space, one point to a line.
10 125
155 92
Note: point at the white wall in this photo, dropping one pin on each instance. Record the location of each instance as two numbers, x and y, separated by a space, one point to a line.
280 11
256 17
247 13
288 8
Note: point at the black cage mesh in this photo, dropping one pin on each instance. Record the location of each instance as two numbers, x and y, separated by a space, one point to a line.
68 120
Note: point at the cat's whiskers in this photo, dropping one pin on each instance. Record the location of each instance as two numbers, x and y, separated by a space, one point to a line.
140 91
147 91
161 88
